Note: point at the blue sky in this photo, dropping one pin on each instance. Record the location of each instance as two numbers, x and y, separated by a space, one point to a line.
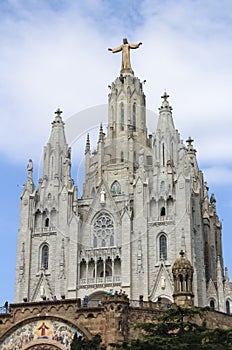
54 54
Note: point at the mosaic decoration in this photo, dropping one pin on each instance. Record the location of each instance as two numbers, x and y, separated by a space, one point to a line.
43 329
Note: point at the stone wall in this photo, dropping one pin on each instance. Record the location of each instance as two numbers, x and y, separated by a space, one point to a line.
114 320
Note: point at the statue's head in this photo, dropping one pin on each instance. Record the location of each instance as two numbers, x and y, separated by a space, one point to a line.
125 41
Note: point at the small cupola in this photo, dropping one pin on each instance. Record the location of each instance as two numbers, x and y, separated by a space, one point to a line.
182 271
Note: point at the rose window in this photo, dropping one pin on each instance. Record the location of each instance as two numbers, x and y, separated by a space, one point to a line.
103 231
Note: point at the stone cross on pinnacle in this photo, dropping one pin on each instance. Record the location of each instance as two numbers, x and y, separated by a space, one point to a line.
58 112
165 96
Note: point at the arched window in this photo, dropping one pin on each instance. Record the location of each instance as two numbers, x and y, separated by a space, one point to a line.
115 188
187 282
162 186
122 157
227 307
103 231
162 211
122 116
212 304
46 223
38 219
44 257
181 287
163 247
134 116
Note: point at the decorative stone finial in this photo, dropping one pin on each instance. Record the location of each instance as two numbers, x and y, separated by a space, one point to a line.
101 134
189 141
165 103
165 96
58 120
212 199
190 146
58 112
182 254
87 146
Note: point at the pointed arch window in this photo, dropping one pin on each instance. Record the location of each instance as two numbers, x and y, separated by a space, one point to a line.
162 186
122 116
115 188
44 257
46 223
134 116
122 157
163 247
212 303
163 154
162 211
228 307
181 285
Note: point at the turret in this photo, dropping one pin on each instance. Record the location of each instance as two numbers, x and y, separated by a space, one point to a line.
182 271
116 309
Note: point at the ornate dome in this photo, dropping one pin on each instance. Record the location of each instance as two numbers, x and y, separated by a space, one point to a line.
182 264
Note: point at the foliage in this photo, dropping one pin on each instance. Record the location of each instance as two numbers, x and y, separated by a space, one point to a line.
177 329
81 343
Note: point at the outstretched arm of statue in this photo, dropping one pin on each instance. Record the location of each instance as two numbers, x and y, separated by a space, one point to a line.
109 49
117 49
135 46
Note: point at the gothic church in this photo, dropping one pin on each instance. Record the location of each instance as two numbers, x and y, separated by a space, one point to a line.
144 200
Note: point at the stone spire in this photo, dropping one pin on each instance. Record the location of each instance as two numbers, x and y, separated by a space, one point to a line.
57 133
166 139
56 152
165 121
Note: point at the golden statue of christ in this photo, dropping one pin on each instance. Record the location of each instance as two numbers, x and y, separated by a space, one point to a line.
125 48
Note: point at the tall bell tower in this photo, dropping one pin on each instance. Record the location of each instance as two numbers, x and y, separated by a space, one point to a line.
47 239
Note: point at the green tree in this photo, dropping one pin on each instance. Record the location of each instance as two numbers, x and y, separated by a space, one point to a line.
81 343
177 329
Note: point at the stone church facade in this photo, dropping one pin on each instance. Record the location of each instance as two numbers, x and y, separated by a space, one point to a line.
144 200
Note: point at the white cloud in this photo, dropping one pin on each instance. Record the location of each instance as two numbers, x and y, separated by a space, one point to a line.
56 55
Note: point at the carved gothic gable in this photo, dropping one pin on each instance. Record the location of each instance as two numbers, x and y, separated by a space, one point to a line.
42 288
162 285
211 290
103 201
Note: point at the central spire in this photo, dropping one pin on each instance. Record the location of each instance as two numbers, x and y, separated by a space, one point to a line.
125 48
